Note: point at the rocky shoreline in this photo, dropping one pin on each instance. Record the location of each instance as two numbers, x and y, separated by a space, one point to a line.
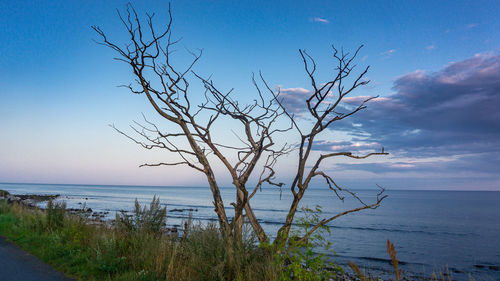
91 217
100 219
32 201
29 200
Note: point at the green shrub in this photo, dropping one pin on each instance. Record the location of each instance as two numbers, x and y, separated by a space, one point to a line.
4 192
144 219
4 207
56 213
302 260
213 256
108 257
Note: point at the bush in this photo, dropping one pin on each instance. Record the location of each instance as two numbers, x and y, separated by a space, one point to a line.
4 193
301 259
4 207
108 258
56 213
214 256
144 219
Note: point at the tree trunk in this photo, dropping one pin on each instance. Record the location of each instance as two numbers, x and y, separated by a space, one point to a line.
283 232
257 228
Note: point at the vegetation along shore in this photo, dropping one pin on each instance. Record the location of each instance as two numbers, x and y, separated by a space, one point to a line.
139 247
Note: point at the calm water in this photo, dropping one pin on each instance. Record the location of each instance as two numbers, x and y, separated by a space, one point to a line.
432 230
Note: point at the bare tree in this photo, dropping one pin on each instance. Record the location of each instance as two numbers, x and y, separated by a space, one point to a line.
167 88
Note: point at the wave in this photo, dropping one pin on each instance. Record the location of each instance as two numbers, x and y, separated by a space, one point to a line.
381 229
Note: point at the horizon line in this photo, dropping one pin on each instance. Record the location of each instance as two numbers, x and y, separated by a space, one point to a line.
146 185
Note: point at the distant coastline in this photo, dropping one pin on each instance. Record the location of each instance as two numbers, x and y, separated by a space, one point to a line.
229 187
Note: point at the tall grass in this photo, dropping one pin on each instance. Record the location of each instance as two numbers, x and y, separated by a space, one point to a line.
55 214
138 249
398 273
140 252
144 219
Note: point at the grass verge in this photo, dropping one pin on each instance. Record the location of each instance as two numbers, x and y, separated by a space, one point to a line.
89 252
136 248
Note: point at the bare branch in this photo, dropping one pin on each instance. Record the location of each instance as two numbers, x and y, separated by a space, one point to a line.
149 52
374 205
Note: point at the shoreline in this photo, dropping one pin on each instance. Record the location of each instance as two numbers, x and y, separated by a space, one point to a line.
91 217
95 219
380 264
16 202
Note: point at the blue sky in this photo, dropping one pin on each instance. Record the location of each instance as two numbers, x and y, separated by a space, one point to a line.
436 67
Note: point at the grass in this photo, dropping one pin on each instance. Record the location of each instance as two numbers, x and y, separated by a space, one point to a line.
87 252
398 273
136 248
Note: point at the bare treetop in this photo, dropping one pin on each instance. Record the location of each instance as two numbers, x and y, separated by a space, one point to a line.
259 125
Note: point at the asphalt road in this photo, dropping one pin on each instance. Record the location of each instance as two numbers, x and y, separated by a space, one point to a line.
18 265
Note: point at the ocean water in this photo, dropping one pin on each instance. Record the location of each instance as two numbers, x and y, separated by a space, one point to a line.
451 231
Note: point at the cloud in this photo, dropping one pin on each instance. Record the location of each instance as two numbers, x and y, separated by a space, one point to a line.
318 19
294 99
349 146
453 109
430 47
440 127
388 52
471 25
472 166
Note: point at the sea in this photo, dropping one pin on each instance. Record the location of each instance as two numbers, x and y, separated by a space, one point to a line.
456 233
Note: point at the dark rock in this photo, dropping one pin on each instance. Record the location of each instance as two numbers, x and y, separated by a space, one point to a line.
184 210
37 197
29 202
12 198
494 267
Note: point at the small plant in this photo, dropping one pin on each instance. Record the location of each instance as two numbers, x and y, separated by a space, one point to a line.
108 258
4 193
358 271
4 207
146 219
302 259
56 213
394 260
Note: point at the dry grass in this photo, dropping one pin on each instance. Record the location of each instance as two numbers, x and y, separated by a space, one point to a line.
116 253
90 252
